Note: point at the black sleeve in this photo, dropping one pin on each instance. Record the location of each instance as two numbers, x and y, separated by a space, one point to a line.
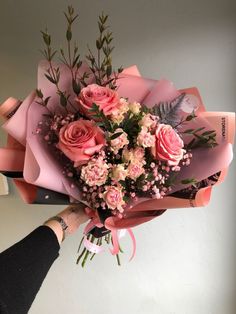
23 268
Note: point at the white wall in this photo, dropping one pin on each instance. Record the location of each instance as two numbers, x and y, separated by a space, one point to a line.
185 262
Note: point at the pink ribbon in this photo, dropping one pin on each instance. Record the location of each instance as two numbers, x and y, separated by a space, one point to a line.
115 241
94 248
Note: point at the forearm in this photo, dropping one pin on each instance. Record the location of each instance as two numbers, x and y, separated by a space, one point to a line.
23 268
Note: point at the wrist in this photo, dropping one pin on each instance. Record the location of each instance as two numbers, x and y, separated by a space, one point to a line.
59 226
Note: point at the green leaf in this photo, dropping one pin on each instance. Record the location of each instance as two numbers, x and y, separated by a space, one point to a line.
76 87
100 124
171 181
109 70
191 116
199 129
189 181
189 131
98 44
46 100
46 38
115 135
39 103
191 143
208 133
39 93
53 55
50 79
63 100
123 183
120 69
75 61
150 176
94 107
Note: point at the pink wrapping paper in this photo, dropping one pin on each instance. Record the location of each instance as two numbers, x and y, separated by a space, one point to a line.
27 152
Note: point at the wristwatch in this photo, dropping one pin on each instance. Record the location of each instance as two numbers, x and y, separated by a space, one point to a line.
61 222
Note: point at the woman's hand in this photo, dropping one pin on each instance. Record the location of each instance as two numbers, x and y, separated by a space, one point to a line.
73 216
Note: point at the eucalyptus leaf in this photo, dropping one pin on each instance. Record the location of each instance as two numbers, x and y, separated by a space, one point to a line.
63 100
50 79
47 100
39 93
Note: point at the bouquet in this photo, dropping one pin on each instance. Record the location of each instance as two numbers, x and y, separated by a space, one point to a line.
127 147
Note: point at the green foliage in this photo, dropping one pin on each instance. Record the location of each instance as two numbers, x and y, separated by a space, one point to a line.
102 119
170 182
63 99
131 126
204 139
191 116
101 66
189 181
140 181
76 87
115 135
42 101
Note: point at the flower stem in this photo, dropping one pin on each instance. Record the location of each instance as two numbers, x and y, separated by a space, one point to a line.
80 256
118 259
85 258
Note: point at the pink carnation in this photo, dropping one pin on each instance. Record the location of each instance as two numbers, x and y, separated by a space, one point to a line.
95 172
145 138
122 107
149 121
113 196
119 172
135 107
127 154
133 155
120 141
138 154
135 170
168 146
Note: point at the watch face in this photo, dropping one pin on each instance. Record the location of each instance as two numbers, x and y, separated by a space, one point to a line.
61 221
63 224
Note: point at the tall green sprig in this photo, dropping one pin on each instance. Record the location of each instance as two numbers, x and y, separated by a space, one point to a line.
72 59
53 73
101 65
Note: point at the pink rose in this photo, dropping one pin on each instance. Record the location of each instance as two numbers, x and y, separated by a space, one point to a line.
168 146
80 140
105 98
113 196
